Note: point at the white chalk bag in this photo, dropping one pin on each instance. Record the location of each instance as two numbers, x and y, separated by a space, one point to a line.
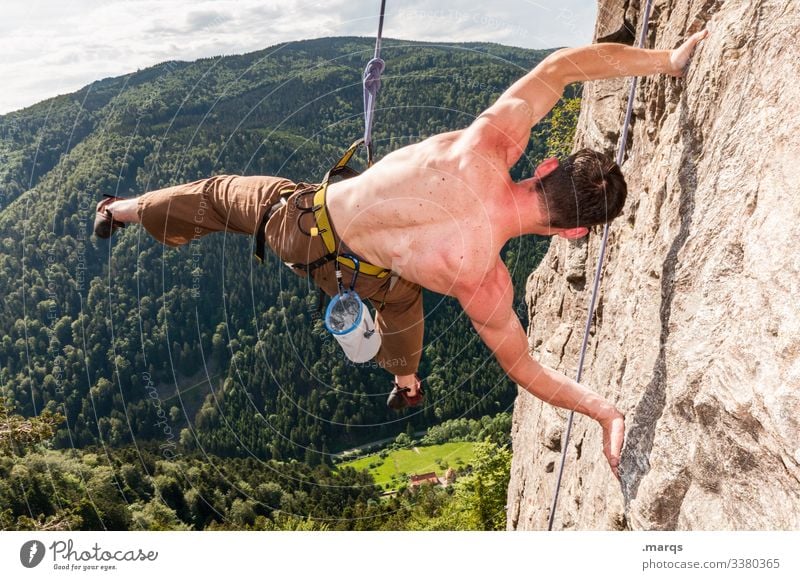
348 319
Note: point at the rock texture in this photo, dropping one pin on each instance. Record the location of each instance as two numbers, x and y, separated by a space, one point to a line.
697 332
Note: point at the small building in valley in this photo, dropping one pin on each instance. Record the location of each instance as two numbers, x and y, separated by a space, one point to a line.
414 481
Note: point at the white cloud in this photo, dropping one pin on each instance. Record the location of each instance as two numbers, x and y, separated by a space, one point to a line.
52 48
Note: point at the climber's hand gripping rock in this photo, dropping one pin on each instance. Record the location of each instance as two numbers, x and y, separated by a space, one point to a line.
680 57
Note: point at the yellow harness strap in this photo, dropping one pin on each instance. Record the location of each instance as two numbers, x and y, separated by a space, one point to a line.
323 227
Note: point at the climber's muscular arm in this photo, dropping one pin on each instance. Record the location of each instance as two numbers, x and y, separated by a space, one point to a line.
489 307
505 126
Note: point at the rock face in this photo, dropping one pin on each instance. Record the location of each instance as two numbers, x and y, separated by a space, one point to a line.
697 332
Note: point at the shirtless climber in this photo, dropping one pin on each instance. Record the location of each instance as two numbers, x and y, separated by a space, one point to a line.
433 214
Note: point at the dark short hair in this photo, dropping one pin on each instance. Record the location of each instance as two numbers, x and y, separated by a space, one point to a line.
586 189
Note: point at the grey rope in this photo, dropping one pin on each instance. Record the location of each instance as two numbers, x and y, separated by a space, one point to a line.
372 84
623 139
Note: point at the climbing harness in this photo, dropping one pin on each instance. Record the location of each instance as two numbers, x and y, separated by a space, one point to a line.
323 227
598 271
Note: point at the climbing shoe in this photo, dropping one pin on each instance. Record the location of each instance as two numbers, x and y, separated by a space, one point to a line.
104 222
400 399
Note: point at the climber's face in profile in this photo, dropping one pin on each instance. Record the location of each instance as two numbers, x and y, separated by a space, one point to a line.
585 189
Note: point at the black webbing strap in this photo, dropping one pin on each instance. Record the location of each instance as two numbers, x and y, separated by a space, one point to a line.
261 235
261 231
341 167
319 262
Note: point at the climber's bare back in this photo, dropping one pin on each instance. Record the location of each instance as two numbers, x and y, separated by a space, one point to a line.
428 211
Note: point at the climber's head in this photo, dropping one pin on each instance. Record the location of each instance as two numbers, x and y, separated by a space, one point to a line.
584 190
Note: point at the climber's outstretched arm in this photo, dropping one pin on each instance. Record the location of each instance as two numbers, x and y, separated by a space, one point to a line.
505 126
489 306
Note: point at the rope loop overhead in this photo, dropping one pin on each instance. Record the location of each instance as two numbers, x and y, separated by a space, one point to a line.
372 84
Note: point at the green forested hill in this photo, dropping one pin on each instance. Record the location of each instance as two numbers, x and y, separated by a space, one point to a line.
202 348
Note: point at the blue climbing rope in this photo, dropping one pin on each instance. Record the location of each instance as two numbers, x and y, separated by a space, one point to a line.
372 84
623 139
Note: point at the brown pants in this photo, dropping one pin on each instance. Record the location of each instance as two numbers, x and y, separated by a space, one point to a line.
177 215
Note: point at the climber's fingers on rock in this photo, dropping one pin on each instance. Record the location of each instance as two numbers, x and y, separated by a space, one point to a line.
680 57
613 438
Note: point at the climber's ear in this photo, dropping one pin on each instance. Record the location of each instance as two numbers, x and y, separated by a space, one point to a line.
546 167
573 233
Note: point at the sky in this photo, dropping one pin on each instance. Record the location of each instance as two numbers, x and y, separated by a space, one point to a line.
52 47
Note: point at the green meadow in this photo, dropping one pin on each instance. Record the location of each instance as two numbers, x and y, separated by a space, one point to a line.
393 470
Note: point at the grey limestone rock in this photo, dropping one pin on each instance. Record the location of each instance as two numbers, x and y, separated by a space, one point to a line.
697 337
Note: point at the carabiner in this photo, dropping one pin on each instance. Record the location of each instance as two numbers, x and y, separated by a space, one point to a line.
356 270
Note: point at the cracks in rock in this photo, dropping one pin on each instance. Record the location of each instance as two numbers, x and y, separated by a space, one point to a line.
657 110
625 33
560 342
704 14
666 508
751 200
622 367
619 522
513 516
658 202
635 463
552 438
577 254
790 467
742 44
789 4
597 323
